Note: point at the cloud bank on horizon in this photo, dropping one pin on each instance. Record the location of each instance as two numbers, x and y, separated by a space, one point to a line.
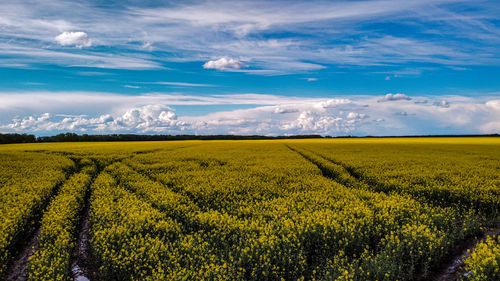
398 114
370 67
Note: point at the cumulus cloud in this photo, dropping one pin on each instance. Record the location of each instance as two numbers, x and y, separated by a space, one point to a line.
311 122
276 115
149 118
494 104
283 110
394 97
356 115
78 39
442 103
224 63
29 122
332 102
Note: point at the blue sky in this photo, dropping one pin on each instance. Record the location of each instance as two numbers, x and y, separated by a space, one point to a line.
376 67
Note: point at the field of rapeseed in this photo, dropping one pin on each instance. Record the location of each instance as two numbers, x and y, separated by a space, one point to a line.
331 209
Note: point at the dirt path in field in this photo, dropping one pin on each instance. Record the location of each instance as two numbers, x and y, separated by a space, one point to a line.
19 269
82 267
454 269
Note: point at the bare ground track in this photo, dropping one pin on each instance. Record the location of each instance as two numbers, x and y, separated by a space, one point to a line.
454 268
82 266
29 242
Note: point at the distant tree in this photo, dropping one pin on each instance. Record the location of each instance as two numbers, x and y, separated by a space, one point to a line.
70 137
16 138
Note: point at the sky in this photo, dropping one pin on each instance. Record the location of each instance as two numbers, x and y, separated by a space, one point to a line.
338 68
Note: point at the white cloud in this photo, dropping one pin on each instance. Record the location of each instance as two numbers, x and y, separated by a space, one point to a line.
332 102
442 103
312 79
224 63
494 104
132 86
149 118
200 30
326 123
148 46
79 39
89 59
29 122
279 115
309 121
355 115
283 110
394 97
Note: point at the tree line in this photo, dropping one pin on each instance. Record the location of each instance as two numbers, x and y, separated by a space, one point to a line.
72 137
16 138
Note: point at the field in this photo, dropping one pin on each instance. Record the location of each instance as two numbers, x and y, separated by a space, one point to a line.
328 209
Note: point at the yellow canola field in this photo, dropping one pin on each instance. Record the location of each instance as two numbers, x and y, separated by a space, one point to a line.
326 209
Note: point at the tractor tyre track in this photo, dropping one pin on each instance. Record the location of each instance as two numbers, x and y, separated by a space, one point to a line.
454 269
29 242
83 267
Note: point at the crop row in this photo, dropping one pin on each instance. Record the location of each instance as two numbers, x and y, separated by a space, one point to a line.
24 196
172 203
269 219
484 262
291 210
57 241
129 237
465 181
